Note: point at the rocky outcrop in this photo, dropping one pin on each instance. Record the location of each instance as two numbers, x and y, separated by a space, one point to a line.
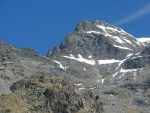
50 94
140 60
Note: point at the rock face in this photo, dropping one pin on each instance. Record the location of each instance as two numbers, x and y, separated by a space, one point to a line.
95 50
98 39
108 71
138 61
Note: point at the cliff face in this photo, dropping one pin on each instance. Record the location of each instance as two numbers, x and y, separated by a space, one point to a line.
98 39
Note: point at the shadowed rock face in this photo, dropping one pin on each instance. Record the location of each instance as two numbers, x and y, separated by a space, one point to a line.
98 46
146 51
138 61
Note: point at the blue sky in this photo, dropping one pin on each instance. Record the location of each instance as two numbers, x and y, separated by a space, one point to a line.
42 24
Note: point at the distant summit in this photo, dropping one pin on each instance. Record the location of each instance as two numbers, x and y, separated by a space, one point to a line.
99 39
145 41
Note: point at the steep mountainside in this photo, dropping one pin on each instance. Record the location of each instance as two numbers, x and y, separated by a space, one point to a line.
98 68
99 40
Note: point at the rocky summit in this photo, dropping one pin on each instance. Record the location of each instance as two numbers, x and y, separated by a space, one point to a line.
98 68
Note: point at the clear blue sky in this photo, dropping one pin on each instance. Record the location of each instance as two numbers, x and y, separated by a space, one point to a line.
42 24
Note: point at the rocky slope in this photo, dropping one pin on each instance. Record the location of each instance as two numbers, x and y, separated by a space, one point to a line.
17 63
108 72
49 95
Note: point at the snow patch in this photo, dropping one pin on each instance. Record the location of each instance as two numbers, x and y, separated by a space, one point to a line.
116 38
92 88
105 29
103 80
115 74
90 56
112 31
102 27
78 84
143 39
127 70
60 65
108 61
122 61
91 62
123 47
128 41
123 71
139 56
82 88
81 59
95 32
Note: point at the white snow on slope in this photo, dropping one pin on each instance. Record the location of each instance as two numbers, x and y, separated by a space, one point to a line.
111 32
90 56
127 70
115 74
78 84
60 65
116 38
108 61
139 56
123 47
144 40
136 57
113 29
103 81
119 65
124 71
128 41
108 30
95 32
82 88
81 59
92 62
127 57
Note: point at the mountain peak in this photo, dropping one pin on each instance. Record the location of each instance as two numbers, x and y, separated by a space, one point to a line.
99 22
99 39
84 25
